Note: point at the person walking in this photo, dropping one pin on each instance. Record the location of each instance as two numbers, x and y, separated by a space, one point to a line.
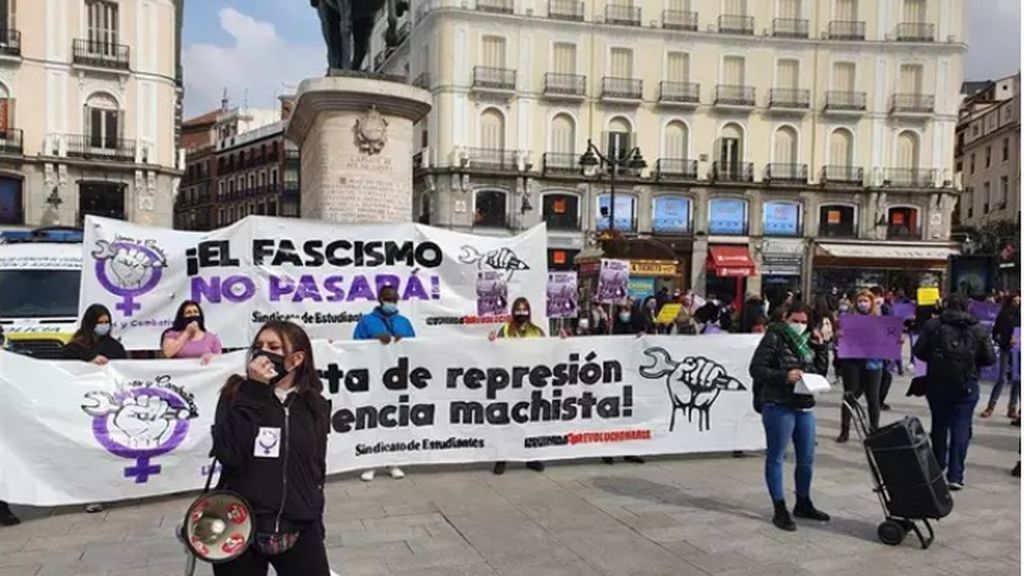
519 327
1002 332
93 341
188 336
955 346
783 356
885 309
279 398
386 325
861 377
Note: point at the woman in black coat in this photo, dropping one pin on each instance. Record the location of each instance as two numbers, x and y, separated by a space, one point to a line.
780 361
94 342
270 435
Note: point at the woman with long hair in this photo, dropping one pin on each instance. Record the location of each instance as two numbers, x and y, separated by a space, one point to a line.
188 336
94 342
861 376
823 325
270 435
1006 322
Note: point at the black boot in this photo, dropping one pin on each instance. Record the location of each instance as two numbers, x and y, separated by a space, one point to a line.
608 460
805 509
7 518
844 437
782 519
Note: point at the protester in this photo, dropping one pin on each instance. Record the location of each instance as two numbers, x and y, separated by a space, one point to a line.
648 315
93 341
823 325
684 322
387 325
1002 332
861 377
884 309
753 308
281 392
7 517
955 346
519 327
625 322
778 364
188 336
759 325
709 312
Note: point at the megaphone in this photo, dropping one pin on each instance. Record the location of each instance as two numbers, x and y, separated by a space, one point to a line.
218 526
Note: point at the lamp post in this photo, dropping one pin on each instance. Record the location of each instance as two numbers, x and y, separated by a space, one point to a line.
593 157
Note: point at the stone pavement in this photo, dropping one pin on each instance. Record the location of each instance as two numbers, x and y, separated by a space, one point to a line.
678 516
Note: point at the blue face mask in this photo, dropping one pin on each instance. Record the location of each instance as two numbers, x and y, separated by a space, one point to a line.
101 329
389 307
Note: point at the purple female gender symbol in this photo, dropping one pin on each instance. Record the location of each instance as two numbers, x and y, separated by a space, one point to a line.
142 469
128 305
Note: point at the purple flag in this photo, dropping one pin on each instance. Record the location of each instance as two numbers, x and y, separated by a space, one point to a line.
904 310
876 337
984 311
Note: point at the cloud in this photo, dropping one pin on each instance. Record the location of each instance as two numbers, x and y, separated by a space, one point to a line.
257 60
993 39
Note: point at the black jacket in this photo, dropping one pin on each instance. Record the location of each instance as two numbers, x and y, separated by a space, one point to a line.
287 492
1002 330
939 334
106 346
770 368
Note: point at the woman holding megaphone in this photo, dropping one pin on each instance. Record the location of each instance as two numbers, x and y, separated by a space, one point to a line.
270 435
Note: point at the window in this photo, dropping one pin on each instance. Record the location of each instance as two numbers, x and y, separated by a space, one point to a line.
730 151
988 156
625 212
735 7
252 181
727 216
677 67
494 51
911 79
561 211
102 26
11 211
903 224
914 10
972 162
786 147
840 148
1003 193
676 140
1006 149
837 221
492 130
618 140
102 121
672 215
564 58
622 63
986 196
844 76
970 202
788 75
782 218
907 150
846 10
490 210
563 135
789 9
734 71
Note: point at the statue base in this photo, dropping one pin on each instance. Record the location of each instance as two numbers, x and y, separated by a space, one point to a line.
355 136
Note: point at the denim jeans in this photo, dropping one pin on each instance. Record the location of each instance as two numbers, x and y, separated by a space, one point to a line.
1005 367
951 429
782 423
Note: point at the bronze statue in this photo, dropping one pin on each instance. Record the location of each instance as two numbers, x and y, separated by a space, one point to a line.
348 24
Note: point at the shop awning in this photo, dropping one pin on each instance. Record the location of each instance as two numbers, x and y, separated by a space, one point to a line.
887 252
730 261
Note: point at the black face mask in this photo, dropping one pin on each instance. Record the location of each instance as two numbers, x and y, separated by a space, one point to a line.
197 319
277 360
521 317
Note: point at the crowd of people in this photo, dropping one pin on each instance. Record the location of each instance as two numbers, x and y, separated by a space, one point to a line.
280 388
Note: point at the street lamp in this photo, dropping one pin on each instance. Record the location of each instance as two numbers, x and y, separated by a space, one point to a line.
593 157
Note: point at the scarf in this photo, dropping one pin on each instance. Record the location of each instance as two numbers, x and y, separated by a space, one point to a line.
800 344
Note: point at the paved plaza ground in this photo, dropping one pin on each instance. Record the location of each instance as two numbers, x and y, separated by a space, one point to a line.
678 516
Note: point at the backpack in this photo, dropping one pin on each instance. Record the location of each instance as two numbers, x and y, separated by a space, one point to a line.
954 358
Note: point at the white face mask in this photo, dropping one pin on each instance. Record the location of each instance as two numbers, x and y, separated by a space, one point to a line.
798 328
584 324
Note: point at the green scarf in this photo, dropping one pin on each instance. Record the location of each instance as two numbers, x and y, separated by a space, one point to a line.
797 343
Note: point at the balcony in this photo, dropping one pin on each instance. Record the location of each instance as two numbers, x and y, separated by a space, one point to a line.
842 176
786 173
496 80
105 55
789 28
842 102
732 171
623 14
679 20
90 148
789 99
678 93
912 104
492 159
915 32
729 24
496 6
734 96
675 169
623 89
909 178
560 163
10 43
424 81
571 10
846 30
565 86
12 142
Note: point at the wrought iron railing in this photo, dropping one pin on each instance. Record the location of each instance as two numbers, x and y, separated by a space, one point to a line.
789 28
492 158
10 42
734 95
786 172
566 10
846 30
789 98
494 78
622 14
678 20
623 88
12 141
910 177
732 171
101 148
915 32
675 169
842 100
565 84
101 54
560 162
731 24
684 92
831 174
499 6
915 103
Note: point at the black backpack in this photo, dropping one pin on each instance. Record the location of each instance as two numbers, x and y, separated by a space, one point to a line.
953 364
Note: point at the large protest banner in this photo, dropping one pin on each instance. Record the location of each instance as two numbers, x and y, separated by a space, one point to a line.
141 428
321 274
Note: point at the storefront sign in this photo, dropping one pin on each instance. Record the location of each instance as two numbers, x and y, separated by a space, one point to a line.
672 215
782 218
782 258
624 208
727 216
641 288
652 267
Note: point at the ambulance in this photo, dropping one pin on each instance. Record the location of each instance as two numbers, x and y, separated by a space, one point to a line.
40 274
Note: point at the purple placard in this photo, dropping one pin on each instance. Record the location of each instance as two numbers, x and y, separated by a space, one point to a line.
904 310
876 337
562 295
984 311
613 283
491 293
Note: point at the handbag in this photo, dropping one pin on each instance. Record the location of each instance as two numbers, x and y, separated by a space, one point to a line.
272 544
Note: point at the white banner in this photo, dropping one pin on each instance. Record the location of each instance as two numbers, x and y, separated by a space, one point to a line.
72 432
322 275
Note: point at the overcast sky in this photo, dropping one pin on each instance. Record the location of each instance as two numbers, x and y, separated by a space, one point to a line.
258 49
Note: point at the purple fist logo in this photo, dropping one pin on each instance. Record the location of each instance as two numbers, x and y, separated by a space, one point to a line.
128 268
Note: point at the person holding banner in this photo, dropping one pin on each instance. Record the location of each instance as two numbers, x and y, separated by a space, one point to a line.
93 341
188 336
1007 320
270 435
861 376
387 325
787 352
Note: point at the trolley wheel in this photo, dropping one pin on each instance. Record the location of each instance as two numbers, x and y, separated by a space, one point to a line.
891 533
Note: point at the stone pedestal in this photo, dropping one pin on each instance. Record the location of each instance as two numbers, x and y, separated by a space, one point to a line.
355 136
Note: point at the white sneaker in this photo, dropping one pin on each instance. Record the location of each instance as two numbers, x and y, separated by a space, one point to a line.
367 475
397 473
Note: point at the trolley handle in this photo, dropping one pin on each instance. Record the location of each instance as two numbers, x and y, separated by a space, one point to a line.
860 416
